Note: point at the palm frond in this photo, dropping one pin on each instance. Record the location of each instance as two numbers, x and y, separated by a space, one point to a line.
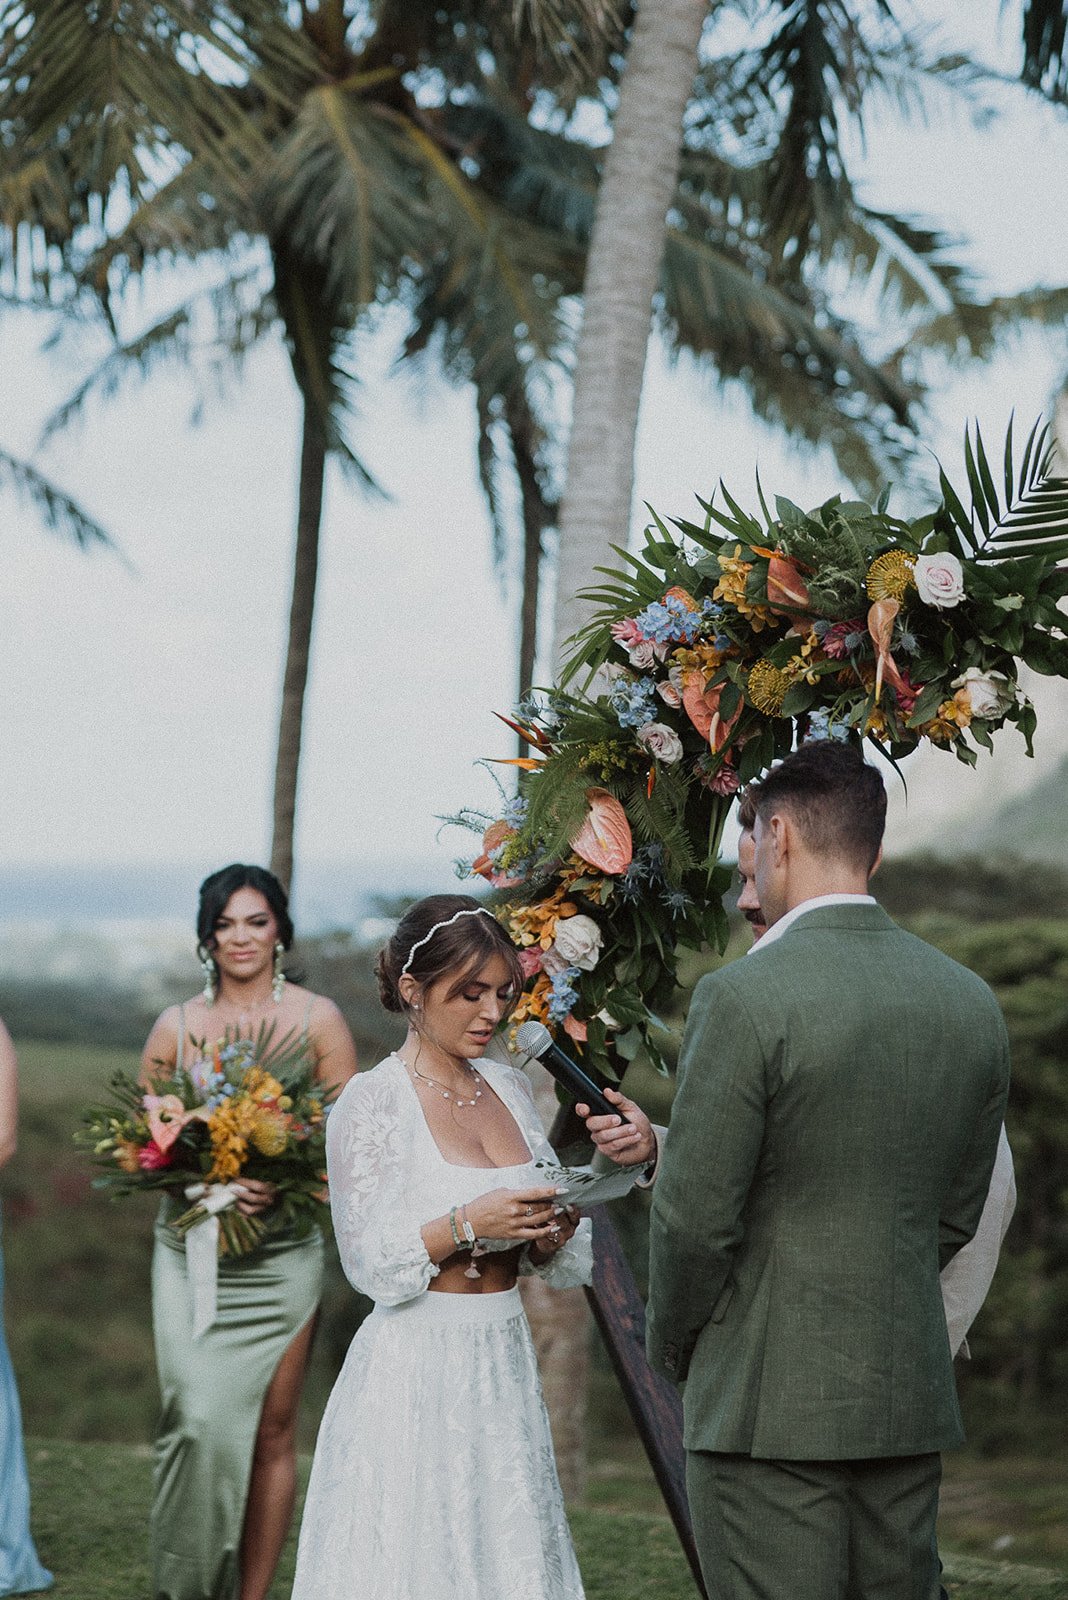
60 513
1029 518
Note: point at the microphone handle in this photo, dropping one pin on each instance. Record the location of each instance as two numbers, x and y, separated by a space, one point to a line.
577 1084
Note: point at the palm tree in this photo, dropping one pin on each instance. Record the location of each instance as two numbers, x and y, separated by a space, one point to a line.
340 140
782 105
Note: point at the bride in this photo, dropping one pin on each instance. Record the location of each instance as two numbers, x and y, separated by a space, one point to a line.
434 1476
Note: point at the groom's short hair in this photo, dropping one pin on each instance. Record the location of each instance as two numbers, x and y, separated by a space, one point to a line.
836 799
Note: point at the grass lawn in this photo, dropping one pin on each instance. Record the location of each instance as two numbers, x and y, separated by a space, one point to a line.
90 1509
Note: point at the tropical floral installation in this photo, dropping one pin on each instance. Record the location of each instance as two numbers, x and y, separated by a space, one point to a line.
245 1108
718 649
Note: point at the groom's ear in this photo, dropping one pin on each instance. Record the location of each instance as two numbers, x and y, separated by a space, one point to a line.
783 833
877 863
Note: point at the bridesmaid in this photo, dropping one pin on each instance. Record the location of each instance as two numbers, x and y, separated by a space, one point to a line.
225 1475
20 1570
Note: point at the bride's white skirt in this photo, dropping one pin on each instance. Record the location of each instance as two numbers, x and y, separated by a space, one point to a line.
434 1476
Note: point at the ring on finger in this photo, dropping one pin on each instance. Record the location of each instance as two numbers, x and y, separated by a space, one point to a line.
530 1211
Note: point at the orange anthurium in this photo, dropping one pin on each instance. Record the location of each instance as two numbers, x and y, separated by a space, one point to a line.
604 840
881 618
702 707
575 1029
787 590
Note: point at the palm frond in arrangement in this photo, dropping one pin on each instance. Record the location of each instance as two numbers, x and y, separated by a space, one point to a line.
1027 521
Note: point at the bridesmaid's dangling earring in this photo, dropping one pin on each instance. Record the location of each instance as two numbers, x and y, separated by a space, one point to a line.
208 968
278 982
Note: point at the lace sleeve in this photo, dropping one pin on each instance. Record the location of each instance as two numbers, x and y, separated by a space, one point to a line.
571 1267
378 1240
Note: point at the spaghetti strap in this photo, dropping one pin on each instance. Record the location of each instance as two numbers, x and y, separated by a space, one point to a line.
307 1019
181 1038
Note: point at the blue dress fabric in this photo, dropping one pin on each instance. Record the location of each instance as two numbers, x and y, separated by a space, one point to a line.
20 1570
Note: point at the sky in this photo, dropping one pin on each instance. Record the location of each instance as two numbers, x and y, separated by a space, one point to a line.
139 696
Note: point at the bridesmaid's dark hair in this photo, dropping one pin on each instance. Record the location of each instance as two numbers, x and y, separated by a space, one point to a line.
215 893
458 949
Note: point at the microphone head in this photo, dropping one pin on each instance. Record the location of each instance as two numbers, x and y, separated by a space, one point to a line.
533 1038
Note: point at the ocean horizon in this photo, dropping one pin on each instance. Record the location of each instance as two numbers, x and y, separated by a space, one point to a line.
327 895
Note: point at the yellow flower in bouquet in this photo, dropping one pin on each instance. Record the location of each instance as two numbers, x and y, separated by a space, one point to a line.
891 575
270 1133
767 688
731 589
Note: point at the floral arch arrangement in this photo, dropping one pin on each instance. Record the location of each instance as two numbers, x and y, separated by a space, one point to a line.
714 652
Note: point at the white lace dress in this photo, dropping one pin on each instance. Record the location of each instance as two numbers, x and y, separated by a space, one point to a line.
434 1476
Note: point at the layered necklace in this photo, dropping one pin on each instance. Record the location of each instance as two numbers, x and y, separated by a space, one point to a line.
445 1092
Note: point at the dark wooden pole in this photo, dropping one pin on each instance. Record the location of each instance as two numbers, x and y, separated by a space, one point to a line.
619 1312
654 1402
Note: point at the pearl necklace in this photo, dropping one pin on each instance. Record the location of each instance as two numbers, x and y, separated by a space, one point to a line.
450 1094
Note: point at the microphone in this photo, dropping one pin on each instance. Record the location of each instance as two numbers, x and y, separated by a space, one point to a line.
534 1039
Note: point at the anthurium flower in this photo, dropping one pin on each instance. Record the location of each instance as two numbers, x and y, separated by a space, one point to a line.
167 1117
787 590
604 840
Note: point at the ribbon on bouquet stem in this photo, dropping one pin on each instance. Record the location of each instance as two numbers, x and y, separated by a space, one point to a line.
202 1250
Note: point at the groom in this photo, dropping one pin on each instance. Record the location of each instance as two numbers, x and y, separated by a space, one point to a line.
831 1146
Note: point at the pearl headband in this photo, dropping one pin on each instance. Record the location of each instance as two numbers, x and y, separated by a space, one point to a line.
468 911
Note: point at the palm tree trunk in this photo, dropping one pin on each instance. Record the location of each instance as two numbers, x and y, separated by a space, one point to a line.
641 170
537 514
301 617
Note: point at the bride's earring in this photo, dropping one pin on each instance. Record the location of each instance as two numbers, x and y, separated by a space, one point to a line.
208 968
278 982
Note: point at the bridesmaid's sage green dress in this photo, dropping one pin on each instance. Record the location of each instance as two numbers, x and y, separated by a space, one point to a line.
212 1394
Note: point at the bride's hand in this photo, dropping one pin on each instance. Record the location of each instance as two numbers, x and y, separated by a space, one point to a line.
521 1214
255 1196
560 1231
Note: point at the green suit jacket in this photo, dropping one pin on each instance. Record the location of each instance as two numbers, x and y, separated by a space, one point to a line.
840 1097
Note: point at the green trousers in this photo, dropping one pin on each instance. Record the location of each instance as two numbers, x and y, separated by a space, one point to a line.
815 1530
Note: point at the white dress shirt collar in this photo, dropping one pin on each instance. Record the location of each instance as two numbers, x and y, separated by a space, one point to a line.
788 918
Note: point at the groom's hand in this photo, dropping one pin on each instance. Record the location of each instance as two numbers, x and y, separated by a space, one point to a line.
628 1139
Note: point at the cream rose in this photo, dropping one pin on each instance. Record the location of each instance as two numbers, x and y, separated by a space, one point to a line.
661 742
577 942
939 580
990 694
669 694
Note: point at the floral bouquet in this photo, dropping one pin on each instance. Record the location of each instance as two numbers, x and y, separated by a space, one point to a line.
714 653
245 1108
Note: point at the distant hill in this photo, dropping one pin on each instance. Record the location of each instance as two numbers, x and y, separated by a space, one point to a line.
1034 825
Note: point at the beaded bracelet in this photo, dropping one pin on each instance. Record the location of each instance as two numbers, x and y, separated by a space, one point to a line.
457 1241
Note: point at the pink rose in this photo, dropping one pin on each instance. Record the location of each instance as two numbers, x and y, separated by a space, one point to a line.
150 1158
669 693
661 741
939 580
643 655
724 781
530 961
